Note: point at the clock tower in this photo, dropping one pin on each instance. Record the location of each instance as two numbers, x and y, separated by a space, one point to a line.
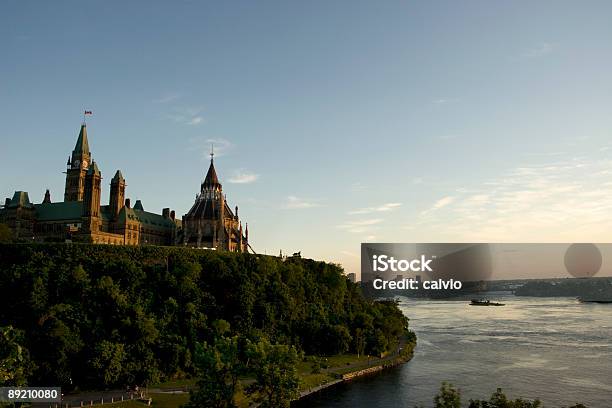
77 166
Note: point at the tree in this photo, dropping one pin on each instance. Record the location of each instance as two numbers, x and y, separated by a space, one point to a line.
108 362
499 400
448 397
218 368
360 342
15 365
275 372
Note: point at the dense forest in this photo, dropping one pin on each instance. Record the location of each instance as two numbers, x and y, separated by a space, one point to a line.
98 316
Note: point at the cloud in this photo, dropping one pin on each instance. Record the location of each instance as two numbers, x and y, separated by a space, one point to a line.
186 115
538 50
357 186
171 97
204 145
219 146
381 208
297 203
195 120
241 176
567 199
441 101
443 202
360 226
349 253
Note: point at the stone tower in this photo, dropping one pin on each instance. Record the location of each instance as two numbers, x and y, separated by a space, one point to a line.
91 199
210 223
117 194
78 163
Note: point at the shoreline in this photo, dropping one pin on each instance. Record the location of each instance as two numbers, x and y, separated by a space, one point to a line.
363 372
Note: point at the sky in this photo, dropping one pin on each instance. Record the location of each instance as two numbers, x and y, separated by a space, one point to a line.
334 122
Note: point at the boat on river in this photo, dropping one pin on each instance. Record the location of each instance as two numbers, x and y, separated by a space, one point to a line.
485 302
594 300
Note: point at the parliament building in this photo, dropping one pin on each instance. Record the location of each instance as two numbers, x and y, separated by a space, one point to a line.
81 217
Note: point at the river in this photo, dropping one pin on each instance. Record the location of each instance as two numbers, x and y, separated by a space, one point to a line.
554 349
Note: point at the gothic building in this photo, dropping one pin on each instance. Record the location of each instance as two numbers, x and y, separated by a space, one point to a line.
82 217
210 222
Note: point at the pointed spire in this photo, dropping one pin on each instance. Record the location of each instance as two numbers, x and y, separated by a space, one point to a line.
118 177
82 144
47 199
211 180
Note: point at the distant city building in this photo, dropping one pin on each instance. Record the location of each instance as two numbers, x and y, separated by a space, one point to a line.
352 277
81 216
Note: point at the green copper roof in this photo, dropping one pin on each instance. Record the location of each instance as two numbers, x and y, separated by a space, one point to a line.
20 199
146 219
138 205
82 145
62 211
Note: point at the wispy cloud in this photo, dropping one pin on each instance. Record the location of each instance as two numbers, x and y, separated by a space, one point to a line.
441 203
186 115
538 50
568 199
349 253
357 186
381 208
167 98
360 226
242 176
297 203
204 145
442 101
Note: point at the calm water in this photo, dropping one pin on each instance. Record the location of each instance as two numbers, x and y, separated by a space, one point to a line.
554 349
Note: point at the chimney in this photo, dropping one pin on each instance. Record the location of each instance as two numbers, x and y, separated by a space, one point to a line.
128 203
166 212
172 215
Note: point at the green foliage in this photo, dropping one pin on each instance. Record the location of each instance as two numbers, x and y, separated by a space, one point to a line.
499 400
218 368
15 365
448 397
108 362
275 369
101 315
